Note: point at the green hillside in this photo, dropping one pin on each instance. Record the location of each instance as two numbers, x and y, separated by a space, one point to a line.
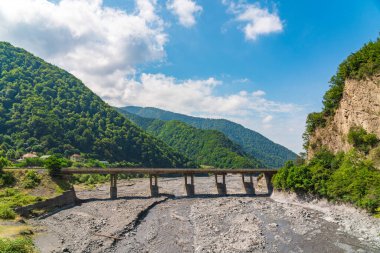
254 144
206 147
47 110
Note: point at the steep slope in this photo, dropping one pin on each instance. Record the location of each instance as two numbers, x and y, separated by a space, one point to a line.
254 144
343 140
351 103
47 110
206 147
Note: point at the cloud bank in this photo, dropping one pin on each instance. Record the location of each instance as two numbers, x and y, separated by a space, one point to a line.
102 46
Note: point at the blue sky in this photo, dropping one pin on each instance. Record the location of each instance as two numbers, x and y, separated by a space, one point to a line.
264 64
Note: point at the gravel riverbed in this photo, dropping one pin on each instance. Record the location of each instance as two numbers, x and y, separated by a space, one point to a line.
204 223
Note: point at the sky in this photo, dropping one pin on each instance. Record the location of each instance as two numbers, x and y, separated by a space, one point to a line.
263 64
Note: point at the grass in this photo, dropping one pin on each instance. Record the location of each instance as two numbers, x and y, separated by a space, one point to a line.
11 231
11 198
17 245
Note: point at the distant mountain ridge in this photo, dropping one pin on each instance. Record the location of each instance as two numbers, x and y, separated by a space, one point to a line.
254 144
204 147
47 110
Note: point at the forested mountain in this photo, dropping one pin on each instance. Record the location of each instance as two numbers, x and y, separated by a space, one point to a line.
47 110
206 147
254 144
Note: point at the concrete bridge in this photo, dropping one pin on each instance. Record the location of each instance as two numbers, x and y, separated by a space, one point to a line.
187 173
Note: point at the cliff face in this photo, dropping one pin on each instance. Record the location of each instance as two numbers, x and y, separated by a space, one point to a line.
360 106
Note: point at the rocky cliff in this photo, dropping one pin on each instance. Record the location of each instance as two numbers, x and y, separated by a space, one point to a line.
359 106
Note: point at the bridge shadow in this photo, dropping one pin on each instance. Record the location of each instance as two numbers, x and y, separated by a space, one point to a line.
171 196
168 196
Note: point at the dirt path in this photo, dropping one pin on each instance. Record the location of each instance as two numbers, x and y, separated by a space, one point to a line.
206 223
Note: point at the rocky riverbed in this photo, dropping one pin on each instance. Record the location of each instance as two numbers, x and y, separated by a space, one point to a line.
205 223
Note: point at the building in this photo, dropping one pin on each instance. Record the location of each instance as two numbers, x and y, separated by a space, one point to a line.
76 158
29 155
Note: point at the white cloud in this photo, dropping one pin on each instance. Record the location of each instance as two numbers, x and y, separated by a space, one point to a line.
94 42
267 119
258 93
102 46
185 10
281 122
257 20
196 97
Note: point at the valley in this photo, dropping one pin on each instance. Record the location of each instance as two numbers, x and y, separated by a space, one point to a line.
205 223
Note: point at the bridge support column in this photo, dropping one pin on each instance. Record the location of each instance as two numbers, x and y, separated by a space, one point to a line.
248 186
221 187
268 181
113 188
153 186
189 187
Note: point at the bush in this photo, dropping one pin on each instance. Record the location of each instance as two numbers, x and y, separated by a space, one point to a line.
7 179
362 140
3 163
19 245
7 213
31 179
54 165
31 162
313 121
342 177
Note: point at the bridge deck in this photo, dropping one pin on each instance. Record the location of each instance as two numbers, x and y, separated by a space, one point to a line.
158 171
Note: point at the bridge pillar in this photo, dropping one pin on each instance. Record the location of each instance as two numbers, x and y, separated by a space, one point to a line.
221 187
248 186
153 186
268 181
189 187
113 188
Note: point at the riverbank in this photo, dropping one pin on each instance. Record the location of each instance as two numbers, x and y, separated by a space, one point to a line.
206 223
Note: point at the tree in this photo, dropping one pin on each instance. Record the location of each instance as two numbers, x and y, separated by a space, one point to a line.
54 165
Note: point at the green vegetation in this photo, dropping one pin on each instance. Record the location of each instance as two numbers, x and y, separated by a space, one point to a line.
31 180
18 245
313 121
252 143
205 147
11 198
47 110
54 165
362 140
343 177
362 64
6 179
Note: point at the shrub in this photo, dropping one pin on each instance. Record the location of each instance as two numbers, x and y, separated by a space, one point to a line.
313 121
362 140
31 179
3 163
6 179
19 245
54 165
31 162
7 213
342 177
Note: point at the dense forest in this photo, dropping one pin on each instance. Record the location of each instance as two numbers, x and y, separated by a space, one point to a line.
254 144
349 177
45 109
205 147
